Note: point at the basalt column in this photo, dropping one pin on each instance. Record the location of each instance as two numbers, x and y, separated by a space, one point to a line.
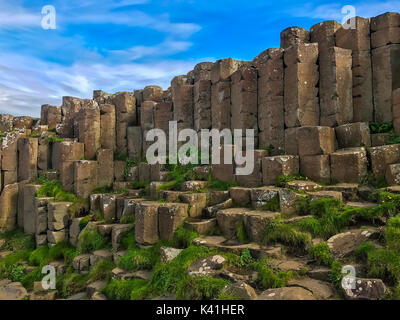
202 96
301 81
359 41
221 92
385 43
182 97
271 118
88 121
125 111
335 86
244 101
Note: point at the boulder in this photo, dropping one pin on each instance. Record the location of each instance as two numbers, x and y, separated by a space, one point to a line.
207 266
168 254
241 291
286 293
343 244
365 289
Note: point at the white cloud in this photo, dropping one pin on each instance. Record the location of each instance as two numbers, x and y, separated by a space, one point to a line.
333 11
29 80
27 83
167 47
13 15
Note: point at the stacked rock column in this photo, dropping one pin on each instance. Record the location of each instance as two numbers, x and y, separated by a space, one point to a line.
271 120
335 86
358 40
385 44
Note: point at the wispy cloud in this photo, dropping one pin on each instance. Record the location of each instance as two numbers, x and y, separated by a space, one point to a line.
27 83
333 11
14 16
167 47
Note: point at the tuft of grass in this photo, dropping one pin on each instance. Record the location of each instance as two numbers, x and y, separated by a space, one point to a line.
92 240
54 139
283 179
102 270
276 232
145 185
384 127
17 240
363 250
242 261
271 279
218 185
241 234
103 189
183 238
54 189
127 219
302 206
125 289
139 259
336 275
168 276
84 222
62 250
9 266
200 288
39 257
271 205
71 283
392 234
376 182
321 254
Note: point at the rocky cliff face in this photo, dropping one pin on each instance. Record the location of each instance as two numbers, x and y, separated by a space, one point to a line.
325 109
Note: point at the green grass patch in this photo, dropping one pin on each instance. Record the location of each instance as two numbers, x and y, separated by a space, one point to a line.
140 259
54 139
384 127
17 240
101 271
200 288
183 237
103 189
271 205
126 289
276 232
218 185
168 276
242 261
39 257
92 240
321 254
241 234
283 179
269 278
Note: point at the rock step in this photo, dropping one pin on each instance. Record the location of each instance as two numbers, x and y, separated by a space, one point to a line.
201 226
221 243
361 204
349 190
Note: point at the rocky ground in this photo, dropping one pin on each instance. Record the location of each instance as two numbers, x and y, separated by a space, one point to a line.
213 240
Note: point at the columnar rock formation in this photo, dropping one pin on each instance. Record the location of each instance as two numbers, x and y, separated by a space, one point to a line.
309 103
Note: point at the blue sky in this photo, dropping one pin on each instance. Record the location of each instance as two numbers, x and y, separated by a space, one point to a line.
128 44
